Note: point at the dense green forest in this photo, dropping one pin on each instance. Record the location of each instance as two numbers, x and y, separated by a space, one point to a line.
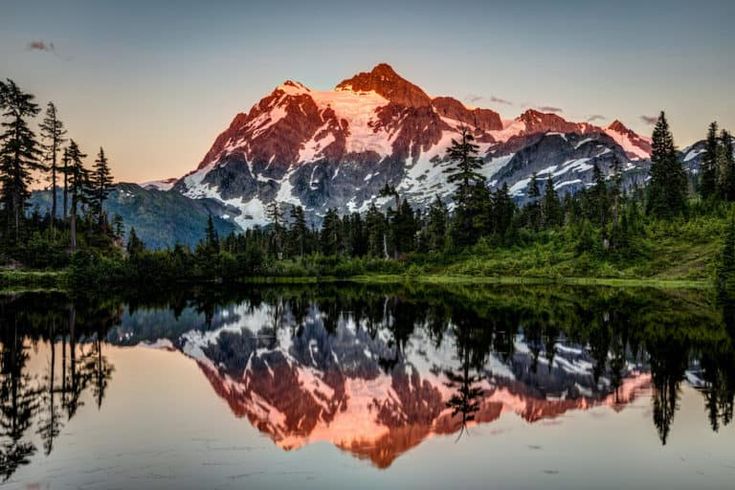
677 227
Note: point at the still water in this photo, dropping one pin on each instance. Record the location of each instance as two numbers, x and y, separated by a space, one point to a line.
368 387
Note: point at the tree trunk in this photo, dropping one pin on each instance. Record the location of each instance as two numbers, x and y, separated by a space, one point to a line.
53 188
73 224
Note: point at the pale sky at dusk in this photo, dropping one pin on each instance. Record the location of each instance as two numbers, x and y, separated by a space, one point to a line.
155 82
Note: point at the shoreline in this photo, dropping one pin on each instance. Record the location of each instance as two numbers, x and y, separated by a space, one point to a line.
20 281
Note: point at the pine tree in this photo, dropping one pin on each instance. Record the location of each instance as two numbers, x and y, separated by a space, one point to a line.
79 188
534 207
211 236
101 184
135 246
503 210
710 175
65 172
52 133
298 231
468 208
330 236
599 199
275 216
19 153
404 229
436 226
667 189
726 165
375 229
551 208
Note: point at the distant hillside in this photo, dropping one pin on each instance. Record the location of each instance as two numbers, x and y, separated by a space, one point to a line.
161 219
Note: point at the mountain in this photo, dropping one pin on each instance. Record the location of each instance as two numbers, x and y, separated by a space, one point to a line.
161 219
337 148
308 381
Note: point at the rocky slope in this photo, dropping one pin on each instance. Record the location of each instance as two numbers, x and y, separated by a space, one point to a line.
338 148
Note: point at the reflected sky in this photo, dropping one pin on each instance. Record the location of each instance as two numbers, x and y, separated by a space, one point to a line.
280 388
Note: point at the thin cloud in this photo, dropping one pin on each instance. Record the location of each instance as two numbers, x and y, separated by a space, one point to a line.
41 46
473 99
548 108
595 117
498 100
650 120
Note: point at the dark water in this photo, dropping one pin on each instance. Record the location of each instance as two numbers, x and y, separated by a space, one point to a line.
368 387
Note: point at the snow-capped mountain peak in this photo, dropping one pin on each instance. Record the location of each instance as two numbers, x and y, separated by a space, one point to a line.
337 148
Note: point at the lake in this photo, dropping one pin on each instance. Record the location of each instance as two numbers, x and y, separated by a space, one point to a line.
392 386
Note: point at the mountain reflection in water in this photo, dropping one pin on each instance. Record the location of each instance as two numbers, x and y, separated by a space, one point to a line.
373 370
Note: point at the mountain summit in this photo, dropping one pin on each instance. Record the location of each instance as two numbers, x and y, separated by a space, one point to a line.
383 80
337 148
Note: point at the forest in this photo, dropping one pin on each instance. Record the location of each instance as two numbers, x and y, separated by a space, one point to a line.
677 227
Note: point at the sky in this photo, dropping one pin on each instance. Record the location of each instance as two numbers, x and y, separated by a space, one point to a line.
155 82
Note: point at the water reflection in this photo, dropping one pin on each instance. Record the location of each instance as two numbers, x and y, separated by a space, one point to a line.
373 371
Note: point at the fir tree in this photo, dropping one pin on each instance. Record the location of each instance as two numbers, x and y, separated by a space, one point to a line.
135 246
710 175
19 151
52 133
726 166
464 173
598 198
667 190
211 236
298 231
101 184
375 230
436 226
404 229
65 172
503 210
275 217
551 209
534 207
330 235
79 189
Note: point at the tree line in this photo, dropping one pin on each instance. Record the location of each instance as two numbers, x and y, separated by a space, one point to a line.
28 156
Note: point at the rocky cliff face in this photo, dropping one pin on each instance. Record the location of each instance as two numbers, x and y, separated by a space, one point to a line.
338 148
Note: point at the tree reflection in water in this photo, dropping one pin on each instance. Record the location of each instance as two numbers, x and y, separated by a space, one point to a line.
535 345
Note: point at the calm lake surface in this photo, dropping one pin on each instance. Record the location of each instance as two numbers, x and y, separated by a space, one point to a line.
368 387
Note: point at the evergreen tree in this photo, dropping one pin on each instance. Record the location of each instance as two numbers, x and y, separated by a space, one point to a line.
726 166
375 231
211 237
552 212
503 210
598 198
533 208
436 226
404 229
135 246
101 184
667 189
79 189
330 235
708 185
276 219
65 171
52 133
298 232
19 151
464 173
